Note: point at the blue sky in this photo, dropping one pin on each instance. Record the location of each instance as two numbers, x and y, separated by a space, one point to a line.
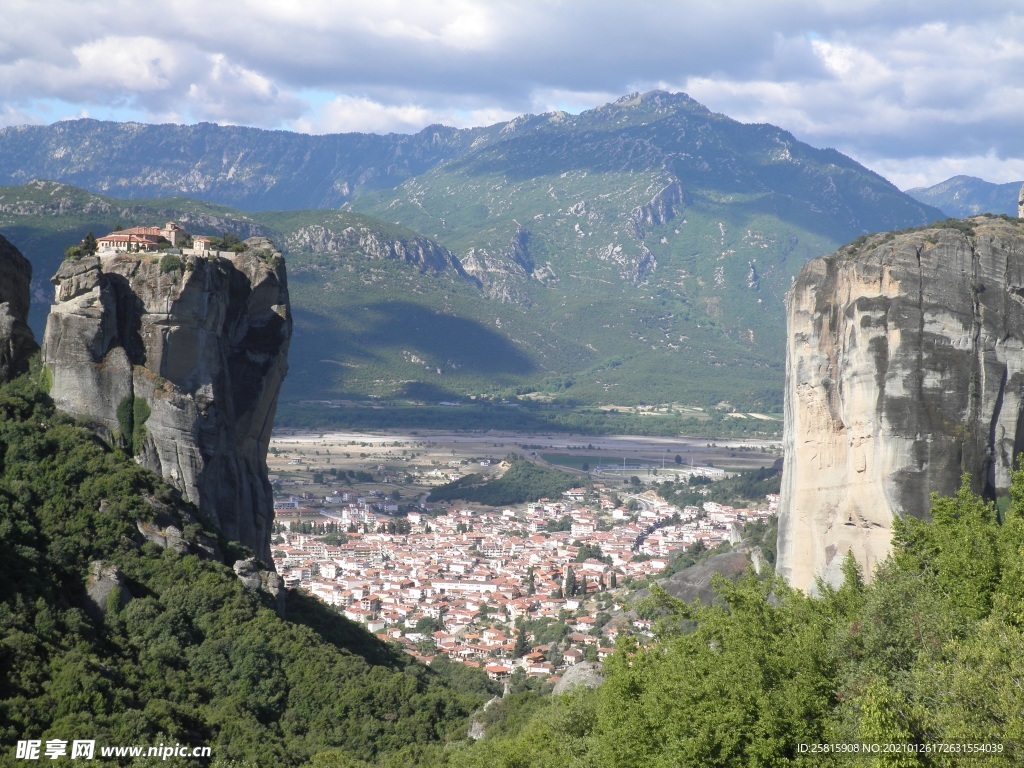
918 91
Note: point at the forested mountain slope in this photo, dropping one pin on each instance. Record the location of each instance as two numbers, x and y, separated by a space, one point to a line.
107 636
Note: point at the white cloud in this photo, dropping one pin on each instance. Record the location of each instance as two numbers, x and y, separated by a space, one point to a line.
11 116
563 100
132 64
234 94
348 114
910 172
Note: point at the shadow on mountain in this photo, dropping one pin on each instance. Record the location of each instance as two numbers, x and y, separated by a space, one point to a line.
342 633
320 354
697 581
426 392
457 343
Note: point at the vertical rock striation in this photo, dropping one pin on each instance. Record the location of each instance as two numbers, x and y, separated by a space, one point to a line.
904 369
17 344
181 359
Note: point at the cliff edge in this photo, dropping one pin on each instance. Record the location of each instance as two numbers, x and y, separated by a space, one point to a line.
180 358
17 343
904 369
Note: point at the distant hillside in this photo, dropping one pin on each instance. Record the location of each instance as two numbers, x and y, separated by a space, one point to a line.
635 253
964 196
654 238
249 168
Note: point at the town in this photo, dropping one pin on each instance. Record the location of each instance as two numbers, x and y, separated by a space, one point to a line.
526 590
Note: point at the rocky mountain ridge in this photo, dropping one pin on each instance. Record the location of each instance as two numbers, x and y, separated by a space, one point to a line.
246 167
420 252
904 370
964 196
630 253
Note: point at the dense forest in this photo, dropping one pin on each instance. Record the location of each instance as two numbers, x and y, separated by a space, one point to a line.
522 482
182 652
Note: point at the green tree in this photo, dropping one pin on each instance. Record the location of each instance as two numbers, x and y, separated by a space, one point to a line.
959 546
569 582
522 647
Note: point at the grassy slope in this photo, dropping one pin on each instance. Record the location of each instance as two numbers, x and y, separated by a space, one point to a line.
668 336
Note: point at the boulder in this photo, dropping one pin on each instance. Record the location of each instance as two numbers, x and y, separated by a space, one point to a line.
586 673
262 580
103 585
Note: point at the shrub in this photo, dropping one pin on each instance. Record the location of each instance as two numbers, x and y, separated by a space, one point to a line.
171 262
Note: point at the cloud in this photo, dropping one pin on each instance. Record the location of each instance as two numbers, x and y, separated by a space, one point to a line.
897 83
909 172
231 93
11 116
346 114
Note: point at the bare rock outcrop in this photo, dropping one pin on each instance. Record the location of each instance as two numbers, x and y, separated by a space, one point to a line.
904 370
17 344
105 589
180 358
586 673
167 529
661 208
262 580
424 254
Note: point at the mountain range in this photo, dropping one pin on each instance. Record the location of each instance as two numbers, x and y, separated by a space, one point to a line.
635 253
964 196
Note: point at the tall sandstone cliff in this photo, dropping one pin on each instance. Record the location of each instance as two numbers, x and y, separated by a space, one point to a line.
904 370
17 344
182 361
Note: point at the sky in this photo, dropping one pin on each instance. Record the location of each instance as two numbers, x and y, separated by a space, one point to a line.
917 91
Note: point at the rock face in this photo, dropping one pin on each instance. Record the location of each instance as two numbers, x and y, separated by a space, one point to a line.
105 588
904 370
262 580
180 358
17 344
587 674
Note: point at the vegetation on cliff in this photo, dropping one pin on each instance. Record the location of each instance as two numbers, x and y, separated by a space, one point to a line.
180 651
